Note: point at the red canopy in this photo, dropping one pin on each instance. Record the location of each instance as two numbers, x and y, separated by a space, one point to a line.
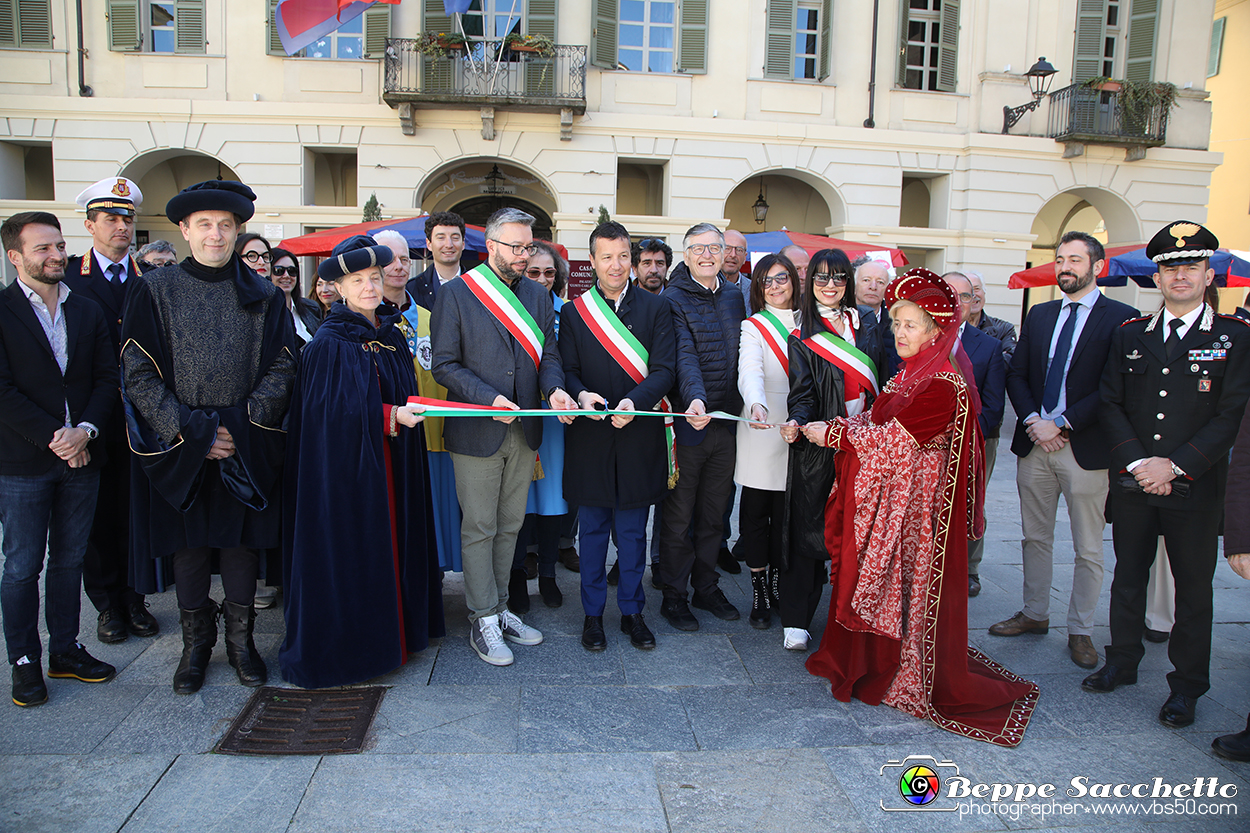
412 228
1044 275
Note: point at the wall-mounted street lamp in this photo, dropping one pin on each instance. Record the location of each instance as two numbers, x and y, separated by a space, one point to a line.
760 208
1039 76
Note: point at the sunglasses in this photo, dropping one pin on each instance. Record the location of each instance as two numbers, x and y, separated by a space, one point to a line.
774 280
822 278
540 273
651 241
279 271
257 257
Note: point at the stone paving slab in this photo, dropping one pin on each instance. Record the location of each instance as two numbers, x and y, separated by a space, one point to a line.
548 793
560 659
176 724
76 718
792 716
631 718
477 719
84 794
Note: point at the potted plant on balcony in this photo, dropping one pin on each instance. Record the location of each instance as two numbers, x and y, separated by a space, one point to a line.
439 44
539 44
1135 101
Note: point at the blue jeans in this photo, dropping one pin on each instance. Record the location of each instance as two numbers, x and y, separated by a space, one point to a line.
49 513
630 528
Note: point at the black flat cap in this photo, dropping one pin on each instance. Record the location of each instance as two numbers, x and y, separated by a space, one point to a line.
213 195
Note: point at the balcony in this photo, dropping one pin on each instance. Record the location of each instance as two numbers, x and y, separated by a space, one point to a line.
485 75
1081 115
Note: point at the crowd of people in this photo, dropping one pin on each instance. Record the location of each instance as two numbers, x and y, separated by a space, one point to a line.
162 421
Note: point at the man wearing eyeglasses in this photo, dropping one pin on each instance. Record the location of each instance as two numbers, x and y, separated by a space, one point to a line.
735 256
494 343
990 372
707 319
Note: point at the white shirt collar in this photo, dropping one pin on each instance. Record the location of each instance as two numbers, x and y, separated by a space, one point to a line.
1187 319
105 263
62 292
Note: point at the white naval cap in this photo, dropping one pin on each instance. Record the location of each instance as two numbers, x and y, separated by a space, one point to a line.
116 195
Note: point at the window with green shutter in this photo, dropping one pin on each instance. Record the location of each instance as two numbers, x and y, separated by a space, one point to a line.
161 26
928 50
1139 56
26 24
1217 47
797 41
650 35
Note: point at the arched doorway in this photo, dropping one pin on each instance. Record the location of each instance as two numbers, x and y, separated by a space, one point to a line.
160 175
797 200
479 187
1094 211
477 212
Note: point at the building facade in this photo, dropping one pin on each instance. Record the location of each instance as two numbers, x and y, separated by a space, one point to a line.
878 121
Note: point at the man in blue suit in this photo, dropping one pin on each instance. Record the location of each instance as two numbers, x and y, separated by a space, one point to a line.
990 371
1053 383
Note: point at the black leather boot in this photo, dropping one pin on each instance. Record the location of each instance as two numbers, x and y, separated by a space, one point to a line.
240 649
199 635
760 617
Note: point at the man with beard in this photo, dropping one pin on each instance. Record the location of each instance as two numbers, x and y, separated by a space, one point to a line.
104 275
58 380
1173 394
651 259
1053 384
494 343
444 237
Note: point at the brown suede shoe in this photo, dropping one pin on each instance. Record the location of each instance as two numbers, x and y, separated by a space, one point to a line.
1082 650
1019 624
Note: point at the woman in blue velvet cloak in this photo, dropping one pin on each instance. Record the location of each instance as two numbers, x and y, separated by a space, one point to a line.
360 563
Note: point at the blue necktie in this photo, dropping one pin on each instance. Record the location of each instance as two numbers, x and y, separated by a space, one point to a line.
1054 375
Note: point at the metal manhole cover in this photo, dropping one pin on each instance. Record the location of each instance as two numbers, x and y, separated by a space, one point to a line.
286 721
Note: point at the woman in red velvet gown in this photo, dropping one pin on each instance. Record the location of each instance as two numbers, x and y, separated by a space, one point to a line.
909 495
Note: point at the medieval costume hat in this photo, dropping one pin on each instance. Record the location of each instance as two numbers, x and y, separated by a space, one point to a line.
213 195
1181 241
353 255
927 290
115 195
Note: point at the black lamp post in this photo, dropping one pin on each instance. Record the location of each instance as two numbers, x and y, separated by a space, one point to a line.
760 207
1039 76
494 183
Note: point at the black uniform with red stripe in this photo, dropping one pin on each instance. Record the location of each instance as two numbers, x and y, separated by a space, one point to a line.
1187 409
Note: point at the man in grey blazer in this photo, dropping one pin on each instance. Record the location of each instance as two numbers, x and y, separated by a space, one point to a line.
493 339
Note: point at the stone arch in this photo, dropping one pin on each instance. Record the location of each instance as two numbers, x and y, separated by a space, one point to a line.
460 182
800 200
160 175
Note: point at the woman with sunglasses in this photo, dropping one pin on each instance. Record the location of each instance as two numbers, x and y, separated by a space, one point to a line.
284 272
255 252
760 465
833 373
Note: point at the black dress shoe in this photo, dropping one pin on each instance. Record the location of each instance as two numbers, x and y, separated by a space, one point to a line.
725 561
518 593
77 664
1178 711
28 685
550 591
716 604
678 614
1233 747
1157 637
614 575
1106 679
640 635
593 638
142 623
111 626
656 581
974 586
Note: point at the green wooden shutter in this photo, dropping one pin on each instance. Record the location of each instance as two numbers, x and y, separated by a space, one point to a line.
779 39
377 29
26 23
826 38
540 72
900 67
605 34
1091 31
8 23
189 36
1217 47
948 46
123 25
540 18
435 72
275 42
692 39
1139 62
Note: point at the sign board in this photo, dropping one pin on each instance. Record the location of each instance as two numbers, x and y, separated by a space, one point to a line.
581 278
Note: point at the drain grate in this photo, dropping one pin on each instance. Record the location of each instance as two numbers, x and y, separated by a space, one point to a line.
285 721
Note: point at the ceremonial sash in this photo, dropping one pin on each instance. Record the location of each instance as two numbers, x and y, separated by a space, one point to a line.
775 335
507 308
860 372
605 325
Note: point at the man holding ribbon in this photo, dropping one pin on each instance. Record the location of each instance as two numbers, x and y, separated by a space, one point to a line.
494 344
619 352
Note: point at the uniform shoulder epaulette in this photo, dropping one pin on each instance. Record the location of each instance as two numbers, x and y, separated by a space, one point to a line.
1236 318
1134 320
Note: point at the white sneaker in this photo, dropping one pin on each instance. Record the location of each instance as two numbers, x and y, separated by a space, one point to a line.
514 630
796 639
486 639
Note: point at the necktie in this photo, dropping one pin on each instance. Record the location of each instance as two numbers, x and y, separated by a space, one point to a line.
1174 338
1054 374
115 282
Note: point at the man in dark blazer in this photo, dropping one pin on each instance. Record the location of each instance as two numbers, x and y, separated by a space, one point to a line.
482 361
103 274
615 469
58 379
444 237
990 372
1062 448
1174 391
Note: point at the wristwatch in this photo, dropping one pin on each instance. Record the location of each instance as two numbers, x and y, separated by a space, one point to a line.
91 430
1065 430
1177 470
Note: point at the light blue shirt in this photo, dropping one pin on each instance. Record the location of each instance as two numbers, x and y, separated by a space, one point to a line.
1084 307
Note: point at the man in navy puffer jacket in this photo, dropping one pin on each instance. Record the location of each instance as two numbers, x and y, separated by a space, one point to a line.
707 319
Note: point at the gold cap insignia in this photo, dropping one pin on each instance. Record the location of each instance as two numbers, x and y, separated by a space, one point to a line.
1180 231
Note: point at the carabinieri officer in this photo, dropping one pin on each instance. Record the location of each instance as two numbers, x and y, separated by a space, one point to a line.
1173 392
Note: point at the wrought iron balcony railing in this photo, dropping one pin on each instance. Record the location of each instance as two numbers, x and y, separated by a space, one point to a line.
484 73
1096 116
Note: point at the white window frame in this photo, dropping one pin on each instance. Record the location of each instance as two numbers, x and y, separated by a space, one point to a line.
648 26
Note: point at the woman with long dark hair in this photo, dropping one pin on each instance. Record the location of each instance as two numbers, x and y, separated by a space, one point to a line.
255 251
284 272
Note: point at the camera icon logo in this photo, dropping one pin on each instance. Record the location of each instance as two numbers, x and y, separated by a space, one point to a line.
917 783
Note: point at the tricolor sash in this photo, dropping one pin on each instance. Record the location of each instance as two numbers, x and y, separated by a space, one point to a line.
605 325
507 309
860 372
775 335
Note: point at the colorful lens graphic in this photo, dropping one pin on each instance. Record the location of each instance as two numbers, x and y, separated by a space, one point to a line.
919 785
